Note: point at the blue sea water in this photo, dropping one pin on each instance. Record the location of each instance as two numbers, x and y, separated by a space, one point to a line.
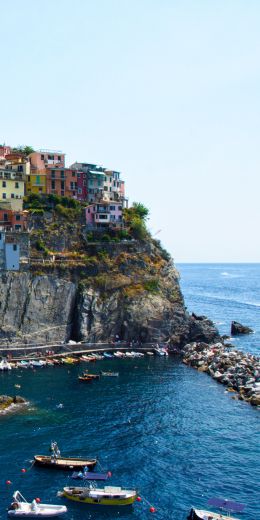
161 426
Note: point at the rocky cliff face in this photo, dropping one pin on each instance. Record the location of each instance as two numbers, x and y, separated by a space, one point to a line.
133 293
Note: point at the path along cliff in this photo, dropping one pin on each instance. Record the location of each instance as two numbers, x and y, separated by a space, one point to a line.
129 289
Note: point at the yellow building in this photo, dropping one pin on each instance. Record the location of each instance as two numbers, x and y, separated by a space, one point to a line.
36 182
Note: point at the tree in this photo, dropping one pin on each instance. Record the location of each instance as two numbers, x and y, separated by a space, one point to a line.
141 210
24 149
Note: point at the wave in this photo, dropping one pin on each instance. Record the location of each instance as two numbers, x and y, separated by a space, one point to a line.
223 298
231 275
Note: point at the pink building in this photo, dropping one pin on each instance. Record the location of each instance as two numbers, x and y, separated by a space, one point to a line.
104 215
47 159
4 150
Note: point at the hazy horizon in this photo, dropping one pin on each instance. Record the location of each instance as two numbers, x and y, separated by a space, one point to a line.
167 92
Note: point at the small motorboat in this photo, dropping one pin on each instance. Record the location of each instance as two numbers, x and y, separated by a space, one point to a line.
108 355
37 363
110 374
228 505
20 507
150 353
4 365
107 496
91 475
161 351
55 460
85 379
92 376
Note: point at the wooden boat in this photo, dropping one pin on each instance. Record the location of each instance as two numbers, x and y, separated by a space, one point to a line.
110 374
228 505
66 463
107 496
21 508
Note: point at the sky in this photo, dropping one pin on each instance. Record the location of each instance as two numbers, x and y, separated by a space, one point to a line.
164 91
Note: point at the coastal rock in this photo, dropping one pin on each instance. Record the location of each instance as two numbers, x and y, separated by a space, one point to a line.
238 328
240 372
6 401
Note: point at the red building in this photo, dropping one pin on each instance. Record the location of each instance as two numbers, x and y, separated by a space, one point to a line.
13 220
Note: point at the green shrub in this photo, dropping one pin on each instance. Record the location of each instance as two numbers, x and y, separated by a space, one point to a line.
152 285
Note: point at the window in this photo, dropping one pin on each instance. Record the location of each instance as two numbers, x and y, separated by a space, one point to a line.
53 185
4 196
53 174
50 157
12 195
17 185
17 226
120 207
84 183
17 217
79 191
73 174
5 217
62 174
59 158
62 185
4 184
112 208
40 190
105 188
20 168
38 179
14 247
62 193
28 178
102 217
42 157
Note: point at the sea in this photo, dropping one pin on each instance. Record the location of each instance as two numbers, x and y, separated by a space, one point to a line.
161 427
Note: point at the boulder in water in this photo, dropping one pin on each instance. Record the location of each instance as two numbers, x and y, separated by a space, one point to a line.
238 328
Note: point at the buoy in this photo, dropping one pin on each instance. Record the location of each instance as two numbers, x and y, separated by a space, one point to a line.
138 499
109 474
23 470
37 500
152 509
8 482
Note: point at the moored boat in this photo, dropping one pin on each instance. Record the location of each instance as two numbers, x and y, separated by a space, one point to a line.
107 496
228 505
55 460
110 374
20 507
92 376
4 365
85 379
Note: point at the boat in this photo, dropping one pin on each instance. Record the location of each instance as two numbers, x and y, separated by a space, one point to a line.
220 503
150 353
37 363
107 496
90 475
161 351
85 379
110 374
108 355
20 507
4 365
55 461
92 376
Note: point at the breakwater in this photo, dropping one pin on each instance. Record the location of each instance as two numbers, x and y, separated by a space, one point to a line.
239 371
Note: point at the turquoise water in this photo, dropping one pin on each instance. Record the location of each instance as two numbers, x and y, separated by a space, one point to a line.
160 426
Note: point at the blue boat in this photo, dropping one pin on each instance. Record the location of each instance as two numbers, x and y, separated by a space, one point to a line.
108 355
220 503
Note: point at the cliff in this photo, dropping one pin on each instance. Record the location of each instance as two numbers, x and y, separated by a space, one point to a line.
130 289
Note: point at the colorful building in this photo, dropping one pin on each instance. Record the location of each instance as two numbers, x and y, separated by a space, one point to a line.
46 166
104 215
13 220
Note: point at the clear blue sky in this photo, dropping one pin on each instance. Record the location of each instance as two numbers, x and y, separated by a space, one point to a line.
165 91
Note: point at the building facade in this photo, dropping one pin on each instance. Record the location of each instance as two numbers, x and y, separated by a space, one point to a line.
104 215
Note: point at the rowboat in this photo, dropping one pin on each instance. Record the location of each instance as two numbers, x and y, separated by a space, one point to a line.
228 505
107 496
20 507
66 463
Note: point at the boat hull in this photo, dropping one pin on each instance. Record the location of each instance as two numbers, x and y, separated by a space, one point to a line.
199 514
66 464
102 501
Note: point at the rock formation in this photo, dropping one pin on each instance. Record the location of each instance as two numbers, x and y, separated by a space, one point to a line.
131 290
237 328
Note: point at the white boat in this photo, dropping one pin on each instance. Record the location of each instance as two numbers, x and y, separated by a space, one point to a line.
219 503
20 507
161 351
4 365
150 353
38 363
